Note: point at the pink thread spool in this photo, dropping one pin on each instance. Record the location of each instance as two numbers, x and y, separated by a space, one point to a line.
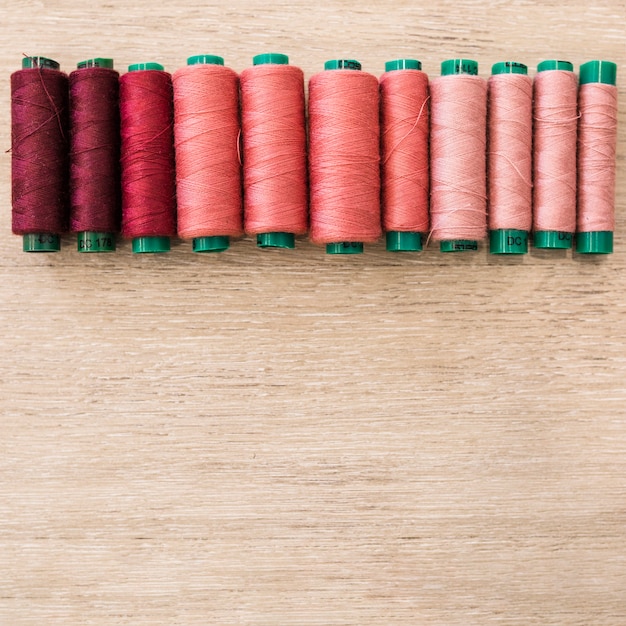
597 139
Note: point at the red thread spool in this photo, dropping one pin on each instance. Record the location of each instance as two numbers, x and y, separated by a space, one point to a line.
39 148
344 157
95 155
597 139
554 154
147 158
458 210
510 158
208 170
404 141
274 151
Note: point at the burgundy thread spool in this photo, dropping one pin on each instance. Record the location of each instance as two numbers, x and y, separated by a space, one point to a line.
147 158
95 155
39 148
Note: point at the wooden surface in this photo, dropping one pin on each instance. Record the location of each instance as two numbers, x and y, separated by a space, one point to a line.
288 438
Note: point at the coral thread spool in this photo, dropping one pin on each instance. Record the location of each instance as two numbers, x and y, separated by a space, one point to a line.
597 139
510 158
344 158
95 155
206 131
274 151
39 149
404 142
458 157
554 154
147 158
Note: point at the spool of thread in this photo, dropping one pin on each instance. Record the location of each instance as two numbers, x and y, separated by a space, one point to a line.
95 155
344 157
147 157
510 119
597 139
458 209
404 166
40 150
554 154
274 151
208 171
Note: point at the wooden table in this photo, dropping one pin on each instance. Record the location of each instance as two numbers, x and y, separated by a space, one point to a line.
283 437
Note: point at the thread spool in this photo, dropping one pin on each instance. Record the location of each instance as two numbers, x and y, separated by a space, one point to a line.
404 161
344 157
94 155
39 148
510 120
208 171
147 158
458 156
597 139
274 151
554 154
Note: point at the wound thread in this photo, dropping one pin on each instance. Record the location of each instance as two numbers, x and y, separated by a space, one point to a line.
404 131
147 157
208 170
509 157
274 151
95 203
39 153
458 209
344 158
554 154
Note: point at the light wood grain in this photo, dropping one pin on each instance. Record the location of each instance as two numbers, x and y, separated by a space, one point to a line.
287 438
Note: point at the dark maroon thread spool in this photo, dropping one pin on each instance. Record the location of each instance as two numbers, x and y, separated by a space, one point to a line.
147 157
40 150
95 155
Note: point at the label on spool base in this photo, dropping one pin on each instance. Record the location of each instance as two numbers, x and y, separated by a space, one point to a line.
89 241
458 245
553 240
553 64
459 66
140 67
596 242
342 64
151 245
38 62
345 247
97 62
210 244
400 241
403 64
598 72
205 59
41 242
509 67
508 241
270 58
276 240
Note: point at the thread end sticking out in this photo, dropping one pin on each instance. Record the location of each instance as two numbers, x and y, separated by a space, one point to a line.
151 245
599 242
400 241
508 241
90 241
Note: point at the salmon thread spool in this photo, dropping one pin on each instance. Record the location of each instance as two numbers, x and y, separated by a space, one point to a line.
208 169
509 157
39 154
344 157
597 142
404 159
274 151
458 210
147 158
555 115
95 208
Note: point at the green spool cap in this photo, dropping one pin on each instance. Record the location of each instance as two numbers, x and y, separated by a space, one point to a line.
458 245
403 64
97 62
345 247
342 64
459 66
205 59
597 242
598 72
138 67
41 242
509 67
210 244
151 245
276 240
399 241
551 64
270 58
90 241
553 239
43 63
508 241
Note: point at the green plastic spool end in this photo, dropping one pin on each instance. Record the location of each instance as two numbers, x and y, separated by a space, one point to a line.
597 242
403 64
509 67
342 64
205 59
598 72
138 67
90 241
458 245
38 62
276 240
508 241
400 241
215 243
553 240
270 58
459 66
345 247
97 62
151 245
553 64
41 242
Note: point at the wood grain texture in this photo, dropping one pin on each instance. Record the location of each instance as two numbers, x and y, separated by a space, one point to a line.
274 438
